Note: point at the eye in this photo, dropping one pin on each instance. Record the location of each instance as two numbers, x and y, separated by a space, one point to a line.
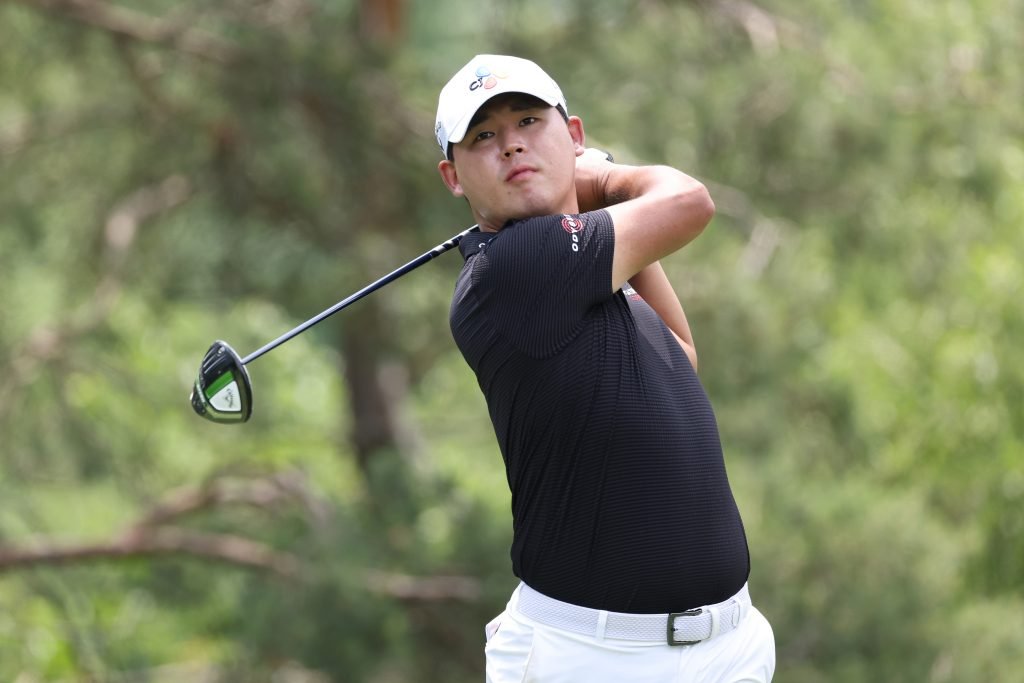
528 120
483 135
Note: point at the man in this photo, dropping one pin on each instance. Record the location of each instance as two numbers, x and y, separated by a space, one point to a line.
626 536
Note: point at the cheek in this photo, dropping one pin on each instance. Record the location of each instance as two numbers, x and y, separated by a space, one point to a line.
470 185
566 166
468 178
480 195
565 149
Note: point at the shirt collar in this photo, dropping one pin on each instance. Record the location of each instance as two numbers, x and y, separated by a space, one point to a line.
472 242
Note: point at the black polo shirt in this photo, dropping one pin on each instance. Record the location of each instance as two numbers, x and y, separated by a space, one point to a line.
620 499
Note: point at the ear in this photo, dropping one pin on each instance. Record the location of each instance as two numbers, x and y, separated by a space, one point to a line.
450 176
579 138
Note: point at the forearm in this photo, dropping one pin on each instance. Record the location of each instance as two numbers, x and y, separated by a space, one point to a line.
653 285
656 210
607 184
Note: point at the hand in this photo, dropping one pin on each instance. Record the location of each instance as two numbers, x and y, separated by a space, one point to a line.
592 169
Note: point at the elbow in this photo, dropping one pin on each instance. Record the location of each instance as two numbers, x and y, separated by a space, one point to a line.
693 207
709 206
701 206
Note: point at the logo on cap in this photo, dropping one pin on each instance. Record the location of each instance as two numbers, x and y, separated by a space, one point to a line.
486 79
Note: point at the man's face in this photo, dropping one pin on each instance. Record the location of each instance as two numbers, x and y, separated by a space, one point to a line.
517 160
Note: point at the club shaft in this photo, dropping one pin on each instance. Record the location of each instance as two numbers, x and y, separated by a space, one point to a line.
372 287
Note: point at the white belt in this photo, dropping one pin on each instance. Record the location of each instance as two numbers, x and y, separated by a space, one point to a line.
678 628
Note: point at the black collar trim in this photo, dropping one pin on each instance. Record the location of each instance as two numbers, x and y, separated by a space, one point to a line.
472 242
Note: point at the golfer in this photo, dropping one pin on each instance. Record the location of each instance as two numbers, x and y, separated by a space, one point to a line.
626 537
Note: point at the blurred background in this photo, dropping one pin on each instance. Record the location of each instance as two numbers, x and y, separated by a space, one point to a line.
175 172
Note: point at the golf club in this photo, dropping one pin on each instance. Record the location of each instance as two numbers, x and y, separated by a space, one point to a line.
223 392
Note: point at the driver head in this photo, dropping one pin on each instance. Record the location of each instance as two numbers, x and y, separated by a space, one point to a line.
222 392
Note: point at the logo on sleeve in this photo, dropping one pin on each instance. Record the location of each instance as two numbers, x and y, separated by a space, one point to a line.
573 225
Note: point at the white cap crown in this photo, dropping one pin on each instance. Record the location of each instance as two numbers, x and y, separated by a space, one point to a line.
481 79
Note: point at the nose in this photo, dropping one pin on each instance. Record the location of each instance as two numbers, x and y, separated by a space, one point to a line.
510 136
513 148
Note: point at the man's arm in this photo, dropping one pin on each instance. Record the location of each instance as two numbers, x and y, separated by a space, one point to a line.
656 210
652 284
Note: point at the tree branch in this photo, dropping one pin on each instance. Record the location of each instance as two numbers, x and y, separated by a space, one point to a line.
150 537
424 588
224 548
761 27
264 493
142 27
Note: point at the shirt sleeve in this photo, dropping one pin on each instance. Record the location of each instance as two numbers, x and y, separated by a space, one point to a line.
543 277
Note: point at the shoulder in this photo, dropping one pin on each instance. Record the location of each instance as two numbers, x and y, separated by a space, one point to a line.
572 231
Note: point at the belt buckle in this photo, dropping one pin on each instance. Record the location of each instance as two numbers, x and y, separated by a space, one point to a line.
671 626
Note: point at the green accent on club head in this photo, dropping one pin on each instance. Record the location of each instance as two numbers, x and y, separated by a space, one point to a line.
221 382
228 396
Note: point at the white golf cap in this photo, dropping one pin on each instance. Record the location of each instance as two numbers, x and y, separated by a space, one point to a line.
481 79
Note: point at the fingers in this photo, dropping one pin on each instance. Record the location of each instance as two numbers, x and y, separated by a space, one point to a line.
595 153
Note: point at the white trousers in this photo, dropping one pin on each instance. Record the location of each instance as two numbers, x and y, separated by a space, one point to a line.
521 650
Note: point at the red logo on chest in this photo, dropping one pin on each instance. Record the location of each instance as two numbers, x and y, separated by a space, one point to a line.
572 224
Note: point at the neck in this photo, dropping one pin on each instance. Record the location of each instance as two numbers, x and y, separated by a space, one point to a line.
495 224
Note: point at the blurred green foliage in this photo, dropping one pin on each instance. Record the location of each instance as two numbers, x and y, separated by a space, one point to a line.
175 172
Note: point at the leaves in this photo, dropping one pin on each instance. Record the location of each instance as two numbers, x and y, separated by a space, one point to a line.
180 172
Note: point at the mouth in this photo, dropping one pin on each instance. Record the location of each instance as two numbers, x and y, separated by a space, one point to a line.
519 173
